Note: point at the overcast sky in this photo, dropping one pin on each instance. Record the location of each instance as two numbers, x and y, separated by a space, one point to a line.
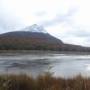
68 20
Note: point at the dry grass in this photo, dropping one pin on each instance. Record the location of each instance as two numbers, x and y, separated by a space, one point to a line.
45 82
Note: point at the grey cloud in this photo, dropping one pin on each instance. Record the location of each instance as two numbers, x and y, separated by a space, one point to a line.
8 20
9 23
58 19
81 33
40 13
76 32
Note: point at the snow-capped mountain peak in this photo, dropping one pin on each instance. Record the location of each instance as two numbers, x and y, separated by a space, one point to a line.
36 28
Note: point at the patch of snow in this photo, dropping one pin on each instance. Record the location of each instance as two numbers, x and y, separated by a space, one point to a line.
36 28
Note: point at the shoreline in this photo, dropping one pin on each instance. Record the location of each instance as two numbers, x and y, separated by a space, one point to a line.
45 82
44 51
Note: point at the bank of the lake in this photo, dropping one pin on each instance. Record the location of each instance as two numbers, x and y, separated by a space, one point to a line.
45 82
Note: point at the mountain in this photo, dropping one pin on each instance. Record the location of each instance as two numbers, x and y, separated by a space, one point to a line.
32 37
35 37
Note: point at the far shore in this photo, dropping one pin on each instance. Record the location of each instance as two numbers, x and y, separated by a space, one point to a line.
43 52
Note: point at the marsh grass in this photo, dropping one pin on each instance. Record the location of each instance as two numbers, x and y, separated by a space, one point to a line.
43 82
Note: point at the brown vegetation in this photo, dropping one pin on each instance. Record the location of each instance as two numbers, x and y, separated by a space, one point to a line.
45 82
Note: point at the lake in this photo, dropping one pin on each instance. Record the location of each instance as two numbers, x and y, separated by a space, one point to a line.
59 64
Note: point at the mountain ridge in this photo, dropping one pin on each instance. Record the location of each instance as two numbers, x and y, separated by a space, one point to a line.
35 40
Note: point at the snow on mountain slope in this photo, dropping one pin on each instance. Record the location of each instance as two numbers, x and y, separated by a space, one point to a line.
35 28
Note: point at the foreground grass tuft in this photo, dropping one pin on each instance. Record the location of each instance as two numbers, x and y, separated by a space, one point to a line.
43 82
